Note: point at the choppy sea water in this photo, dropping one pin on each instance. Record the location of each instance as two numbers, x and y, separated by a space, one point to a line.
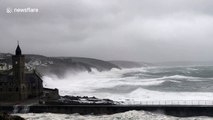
139 84
130 115
132 86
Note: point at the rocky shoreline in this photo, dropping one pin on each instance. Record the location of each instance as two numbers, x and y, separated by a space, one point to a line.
6 116
77 100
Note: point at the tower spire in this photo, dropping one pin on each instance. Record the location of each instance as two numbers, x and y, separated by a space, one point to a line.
18 49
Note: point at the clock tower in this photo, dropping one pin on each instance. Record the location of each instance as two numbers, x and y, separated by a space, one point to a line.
18 61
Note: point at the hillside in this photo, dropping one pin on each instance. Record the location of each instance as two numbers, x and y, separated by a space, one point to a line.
58 65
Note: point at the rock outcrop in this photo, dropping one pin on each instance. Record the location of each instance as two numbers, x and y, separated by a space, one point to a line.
6 116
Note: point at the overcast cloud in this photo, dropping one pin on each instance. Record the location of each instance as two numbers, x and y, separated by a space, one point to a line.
139 30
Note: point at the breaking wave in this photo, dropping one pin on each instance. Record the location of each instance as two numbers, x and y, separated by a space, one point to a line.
89 81
130 115
132 84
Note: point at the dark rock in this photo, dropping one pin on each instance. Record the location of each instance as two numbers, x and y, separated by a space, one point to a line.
77 100
5 116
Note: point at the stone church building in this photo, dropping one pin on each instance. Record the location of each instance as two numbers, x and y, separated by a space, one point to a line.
18 84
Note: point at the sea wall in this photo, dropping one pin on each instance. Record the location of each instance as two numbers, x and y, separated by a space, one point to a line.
179 111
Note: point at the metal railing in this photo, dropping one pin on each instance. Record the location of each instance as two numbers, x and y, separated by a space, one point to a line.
172 103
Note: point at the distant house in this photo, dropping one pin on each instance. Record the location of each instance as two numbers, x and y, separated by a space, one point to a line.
18 84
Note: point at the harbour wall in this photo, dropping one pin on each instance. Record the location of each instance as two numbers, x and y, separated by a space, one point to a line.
178 111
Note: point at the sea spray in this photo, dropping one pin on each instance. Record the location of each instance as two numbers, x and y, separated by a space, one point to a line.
130 115
15 109
137 84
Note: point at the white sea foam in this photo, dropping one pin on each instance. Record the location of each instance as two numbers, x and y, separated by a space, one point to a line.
175 77
86 84
130 115
156 95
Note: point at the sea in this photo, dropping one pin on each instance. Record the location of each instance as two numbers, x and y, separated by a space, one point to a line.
161 84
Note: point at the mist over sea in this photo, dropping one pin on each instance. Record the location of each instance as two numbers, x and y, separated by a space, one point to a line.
132 86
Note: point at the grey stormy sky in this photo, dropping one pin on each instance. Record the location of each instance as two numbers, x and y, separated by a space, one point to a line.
140 30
